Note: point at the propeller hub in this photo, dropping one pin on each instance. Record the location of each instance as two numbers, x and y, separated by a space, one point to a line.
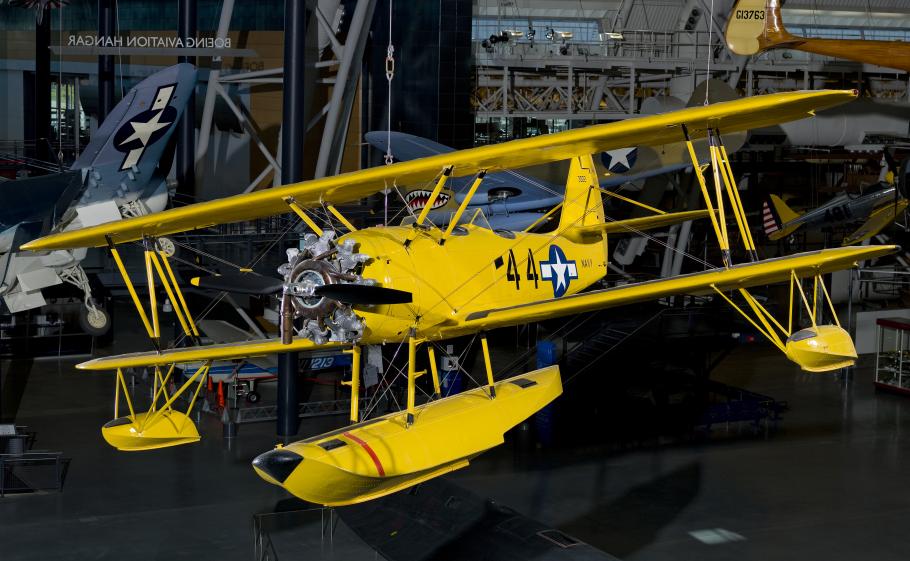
321 262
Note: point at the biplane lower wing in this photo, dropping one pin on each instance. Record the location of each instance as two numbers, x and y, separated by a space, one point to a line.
761 273
769 271
654 130
229 351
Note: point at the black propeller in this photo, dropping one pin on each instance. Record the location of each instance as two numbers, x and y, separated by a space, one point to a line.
240 283
364 294
252 283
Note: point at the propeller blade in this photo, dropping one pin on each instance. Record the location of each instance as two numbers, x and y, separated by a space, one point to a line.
287 319
364 294
240 283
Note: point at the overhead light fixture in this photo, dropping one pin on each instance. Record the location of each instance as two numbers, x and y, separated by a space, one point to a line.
565 35
514 33
612 35
530 33
551 34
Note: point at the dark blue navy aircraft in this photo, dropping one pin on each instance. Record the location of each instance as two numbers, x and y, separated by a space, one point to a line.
121 173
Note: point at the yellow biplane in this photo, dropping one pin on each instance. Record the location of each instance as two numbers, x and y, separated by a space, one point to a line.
416 284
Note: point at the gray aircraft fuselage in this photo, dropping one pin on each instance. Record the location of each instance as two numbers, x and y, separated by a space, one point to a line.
844 209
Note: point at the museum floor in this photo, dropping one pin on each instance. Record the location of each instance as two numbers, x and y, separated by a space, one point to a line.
830 484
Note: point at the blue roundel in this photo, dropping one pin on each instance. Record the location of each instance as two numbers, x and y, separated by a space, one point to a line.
619 161
559 270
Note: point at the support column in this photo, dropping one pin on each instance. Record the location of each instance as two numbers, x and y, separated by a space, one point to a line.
186 131
293 121
43 86
106 28
292 132
288 370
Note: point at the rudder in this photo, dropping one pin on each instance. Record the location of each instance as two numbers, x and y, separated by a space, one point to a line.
776 218
754 26
583 204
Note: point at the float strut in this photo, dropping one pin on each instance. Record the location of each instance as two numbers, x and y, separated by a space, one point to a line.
412 376
355 382
488 365
434 371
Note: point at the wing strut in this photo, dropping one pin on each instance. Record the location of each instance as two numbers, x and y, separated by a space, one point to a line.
720 159
478 179
818 348
720 225
303 215
440 183
156 262
723 181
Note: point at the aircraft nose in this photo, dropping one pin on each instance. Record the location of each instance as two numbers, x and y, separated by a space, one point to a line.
275 466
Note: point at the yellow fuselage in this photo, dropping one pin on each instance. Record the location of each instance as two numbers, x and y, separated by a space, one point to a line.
477 270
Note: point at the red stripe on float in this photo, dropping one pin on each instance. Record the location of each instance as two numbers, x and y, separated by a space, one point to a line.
369 451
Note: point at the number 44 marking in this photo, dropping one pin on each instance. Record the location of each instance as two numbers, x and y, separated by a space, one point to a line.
512 274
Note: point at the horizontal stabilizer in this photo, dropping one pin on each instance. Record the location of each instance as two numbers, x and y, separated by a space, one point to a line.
880 219
635 225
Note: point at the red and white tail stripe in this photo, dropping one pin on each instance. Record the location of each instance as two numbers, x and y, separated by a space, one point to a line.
768 220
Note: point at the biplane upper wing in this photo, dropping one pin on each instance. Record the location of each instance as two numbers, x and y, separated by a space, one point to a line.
878 220
760 273
730 116
229 351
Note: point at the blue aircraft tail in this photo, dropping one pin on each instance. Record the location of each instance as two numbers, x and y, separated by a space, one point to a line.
128 153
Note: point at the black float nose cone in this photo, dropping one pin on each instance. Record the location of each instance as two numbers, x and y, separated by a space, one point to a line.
278 464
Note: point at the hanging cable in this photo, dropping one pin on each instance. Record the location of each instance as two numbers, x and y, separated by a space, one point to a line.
119 47
710 55
60 85
389 75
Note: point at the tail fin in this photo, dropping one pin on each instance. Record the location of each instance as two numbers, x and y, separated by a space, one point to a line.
126 150
776 218
754 26
583 205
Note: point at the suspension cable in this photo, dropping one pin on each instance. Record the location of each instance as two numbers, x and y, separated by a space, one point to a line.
710 55
389 75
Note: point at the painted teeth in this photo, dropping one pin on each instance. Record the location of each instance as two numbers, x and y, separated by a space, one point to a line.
416 200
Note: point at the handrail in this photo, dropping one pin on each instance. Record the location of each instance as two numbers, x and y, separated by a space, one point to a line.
619 343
